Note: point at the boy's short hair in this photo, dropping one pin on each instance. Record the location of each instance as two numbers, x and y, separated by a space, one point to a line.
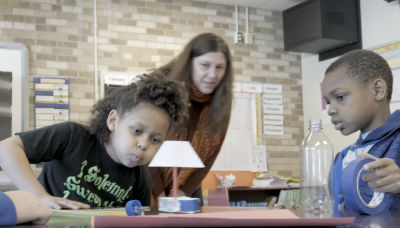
151 88
365 65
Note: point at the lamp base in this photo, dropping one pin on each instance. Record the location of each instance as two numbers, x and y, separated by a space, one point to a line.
179 204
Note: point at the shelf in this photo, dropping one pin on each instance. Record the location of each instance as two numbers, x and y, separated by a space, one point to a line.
222 196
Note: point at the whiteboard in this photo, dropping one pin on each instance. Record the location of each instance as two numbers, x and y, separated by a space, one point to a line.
14 58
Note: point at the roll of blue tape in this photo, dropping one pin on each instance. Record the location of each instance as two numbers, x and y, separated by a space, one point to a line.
182 204
133 208
351 183
190 205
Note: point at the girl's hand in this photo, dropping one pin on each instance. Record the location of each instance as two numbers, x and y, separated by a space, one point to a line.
383 175
58 203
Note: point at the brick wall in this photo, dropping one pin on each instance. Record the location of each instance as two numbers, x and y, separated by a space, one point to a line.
134 36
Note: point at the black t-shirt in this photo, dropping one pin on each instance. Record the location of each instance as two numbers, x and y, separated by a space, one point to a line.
78 167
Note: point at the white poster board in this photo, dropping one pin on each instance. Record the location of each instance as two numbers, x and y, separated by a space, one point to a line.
241 150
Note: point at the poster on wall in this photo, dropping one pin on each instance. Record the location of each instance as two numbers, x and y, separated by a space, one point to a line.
272 103
51 100
326 119
391 52
242 149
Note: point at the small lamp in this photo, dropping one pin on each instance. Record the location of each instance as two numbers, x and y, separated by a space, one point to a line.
177 154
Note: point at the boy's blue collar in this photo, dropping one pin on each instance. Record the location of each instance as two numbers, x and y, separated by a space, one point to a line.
392 124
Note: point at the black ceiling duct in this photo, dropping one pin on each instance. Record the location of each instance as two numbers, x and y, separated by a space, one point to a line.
325 27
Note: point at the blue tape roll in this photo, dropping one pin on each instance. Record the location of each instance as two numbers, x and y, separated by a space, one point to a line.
180 204
133 208
351 184
190 205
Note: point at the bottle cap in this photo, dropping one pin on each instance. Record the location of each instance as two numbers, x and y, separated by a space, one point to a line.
315 123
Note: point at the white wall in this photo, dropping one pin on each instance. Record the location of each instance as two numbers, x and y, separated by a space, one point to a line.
379 25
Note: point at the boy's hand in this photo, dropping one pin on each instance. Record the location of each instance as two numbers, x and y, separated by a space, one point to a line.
383 175
29 208
58 203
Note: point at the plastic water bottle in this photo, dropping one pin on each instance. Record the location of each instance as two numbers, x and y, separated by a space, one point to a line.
316 158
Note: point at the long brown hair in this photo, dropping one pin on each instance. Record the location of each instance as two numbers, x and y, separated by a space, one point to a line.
180 69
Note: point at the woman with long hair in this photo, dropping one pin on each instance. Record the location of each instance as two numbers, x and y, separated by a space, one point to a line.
205 67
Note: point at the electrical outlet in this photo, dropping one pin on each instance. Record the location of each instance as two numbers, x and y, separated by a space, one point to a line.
249 38
239 39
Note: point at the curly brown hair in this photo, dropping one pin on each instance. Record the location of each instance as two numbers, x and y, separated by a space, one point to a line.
152 88
180 69
365 65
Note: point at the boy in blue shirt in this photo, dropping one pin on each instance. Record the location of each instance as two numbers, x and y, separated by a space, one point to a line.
358 88
21 207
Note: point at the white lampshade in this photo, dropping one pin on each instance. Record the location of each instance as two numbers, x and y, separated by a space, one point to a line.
176 154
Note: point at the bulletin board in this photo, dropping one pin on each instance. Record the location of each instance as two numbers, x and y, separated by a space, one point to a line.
391 52
51 100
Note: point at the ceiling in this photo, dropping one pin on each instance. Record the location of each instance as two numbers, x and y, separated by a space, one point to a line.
273 5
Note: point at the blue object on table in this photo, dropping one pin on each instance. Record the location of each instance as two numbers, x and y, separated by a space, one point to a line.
351 178
133 208
191 205
181 204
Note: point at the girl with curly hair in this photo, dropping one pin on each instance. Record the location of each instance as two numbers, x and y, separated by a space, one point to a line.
103 165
